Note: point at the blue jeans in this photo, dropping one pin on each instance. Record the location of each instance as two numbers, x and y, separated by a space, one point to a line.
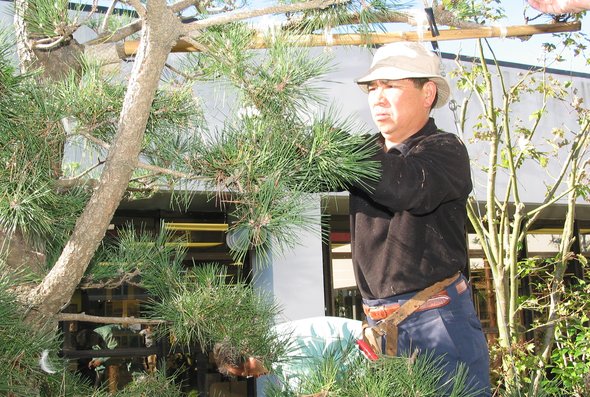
452 332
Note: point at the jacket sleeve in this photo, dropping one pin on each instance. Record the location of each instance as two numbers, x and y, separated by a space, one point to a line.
434 171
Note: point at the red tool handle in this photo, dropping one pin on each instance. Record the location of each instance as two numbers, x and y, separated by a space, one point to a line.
367 350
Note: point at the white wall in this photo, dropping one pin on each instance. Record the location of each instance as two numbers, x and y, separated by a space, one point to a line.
296 277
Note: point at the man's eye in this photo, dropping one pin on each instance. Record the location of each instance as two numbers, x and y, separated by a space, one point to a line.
371 88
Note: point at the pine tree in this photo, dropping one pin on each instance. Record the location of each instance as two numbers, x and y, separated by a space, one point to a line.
266 157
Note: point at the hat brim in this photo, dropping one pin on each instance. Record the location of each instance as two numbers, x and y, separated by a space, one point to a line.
393 73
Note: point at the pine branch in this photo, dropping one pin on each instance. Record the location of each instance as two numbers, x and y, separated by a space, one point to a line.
105 320
23 371
447 18
107 15
443 18
140 164
204 307
195 27
250 163
183 4
118 35
135 26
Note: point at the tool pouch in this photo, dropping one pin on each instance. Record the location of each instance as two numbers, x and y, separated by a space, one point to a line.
391 338
388 328
373 337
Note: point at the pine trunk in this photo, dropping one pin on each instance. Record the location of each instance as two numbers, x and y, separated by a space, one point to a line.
160 32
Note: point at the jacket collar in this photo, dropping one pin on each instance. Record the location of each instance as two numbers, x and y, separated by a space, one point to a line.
404 147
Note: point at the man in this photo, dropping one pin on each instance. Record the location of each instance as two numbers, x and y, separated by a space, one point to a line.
148 340
408 228
560 6
100 364
113 369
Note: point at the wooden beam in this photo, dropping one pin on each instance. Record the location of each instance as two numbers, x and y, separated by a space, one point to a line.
117 352
320 40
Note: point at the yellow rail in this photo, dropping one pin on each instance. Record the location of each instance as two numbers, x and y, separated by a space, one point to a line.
204 227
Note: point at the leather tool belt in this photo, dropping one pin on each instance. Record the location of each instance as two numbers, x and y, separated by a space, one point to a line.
441 299
392 315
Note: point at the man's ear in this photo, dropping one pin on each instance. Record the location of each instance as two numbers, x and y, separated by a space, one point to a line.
429 90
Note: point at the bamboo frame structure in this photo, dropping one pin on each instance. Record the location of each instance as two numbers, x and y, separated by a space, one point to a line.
321 40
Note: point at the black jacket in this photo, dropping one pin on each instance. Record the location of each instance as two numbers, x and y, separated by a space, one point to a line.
408 228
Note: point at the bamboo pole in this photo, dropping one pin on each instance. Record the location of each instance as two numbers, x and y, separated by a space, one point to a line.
320 40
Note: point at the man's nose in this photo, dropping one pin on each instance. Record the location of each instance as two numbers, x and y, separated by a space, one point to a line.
379 93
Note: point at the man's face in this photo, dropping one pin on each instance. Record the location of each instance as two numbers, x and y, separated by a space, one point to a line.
399 108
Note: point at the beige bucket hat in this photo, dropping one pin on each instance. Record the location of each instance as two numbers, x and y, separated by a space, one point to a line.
404 60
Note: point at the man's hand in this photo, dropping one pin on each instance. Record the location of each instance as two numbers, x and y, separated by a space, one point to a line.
94 363
560 6
251 367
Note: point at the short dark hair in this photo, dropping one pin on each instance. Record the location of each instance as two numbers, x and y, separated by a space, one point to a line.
419 83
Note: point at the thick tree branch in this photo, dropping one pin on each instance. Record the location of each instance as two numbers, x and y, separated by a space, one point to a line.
192 28
447 18
183 4
139 8
105 320
135 26
444 18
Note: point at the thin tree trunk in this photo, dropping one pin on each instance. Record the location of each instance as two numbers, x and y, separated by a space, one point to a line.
160 32
555 295
490 300
501 287
24 52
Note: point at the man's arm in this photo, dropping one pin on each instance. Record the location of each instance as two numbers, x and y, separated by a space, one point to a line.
560 6
435 171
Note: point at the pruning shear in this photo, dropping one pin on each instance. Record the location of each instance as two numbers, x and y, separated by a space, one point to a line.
432 24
